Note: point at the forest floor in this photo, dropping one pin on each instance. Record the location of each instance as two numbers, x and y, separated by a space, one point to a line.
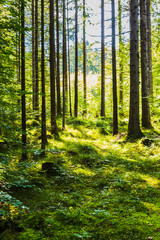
100 186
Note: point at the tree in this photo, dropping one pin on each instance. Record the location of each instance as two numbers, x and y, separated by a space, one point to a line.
58 71
24 136
146 121
64 64
52 71
102 62
114 71
43 127
149 46
84 58
121 59
36 63
76 60
134 125
33 53
69 73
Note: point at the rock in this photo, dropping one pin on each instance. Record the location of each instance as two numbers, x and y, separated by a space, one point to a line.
51 168
147 142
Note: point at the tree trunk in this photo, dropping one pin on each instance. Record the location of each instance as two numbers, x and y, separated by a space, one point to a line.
121 59
64 64
58 71
84 59
52 71
36 63
149 43
43 126
33 54
114 71
134 126
146 121
69 74
76 60
102 62
24 138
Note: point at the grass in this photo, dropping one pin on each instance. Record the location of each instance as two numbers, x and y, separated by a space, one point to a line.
104 187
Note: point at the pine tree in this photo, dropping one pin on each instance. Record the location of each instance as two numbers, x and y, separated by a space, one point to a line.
76 60
102 62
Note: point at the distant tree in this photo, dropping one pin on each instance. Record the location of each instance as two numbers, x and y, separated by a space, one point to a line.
33 53
43 125
146 120
23 100
114 73
52 71
102 62
134 125
58 70
76 60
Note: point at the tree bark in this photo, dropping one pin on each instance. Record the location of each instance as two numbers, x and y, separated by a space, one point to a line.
84 59
36 63
146 120
102 62
24 136
33 54
114 73
43 125
76 60
134 125
64 65
149 43
69 73
52 71
121 59
58 70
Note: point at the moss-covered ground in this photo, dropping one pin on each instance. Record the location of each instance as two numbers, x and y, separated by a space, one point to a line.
101 186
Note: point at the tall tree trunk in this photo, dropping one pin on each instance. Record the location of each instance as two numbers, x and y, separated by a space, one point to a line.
36 63
52 71
76 60
64 64
69 73
24 137
58 71
102 62
114 71
134 126
146 121
43 127
121 59
84 59
33 53
149 45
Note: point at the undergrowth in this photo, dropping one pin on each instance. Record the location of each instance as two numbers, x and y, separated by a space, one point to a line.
100 187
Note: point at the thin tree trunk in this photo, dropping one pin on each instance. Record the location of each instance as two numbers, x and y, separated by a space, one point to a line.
134 126
146 120
52 71
149 43
33 53
121 59
36 63
114 71
84 59
69 74
102 62
64 64
24 138
76 60
58 71
43 127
